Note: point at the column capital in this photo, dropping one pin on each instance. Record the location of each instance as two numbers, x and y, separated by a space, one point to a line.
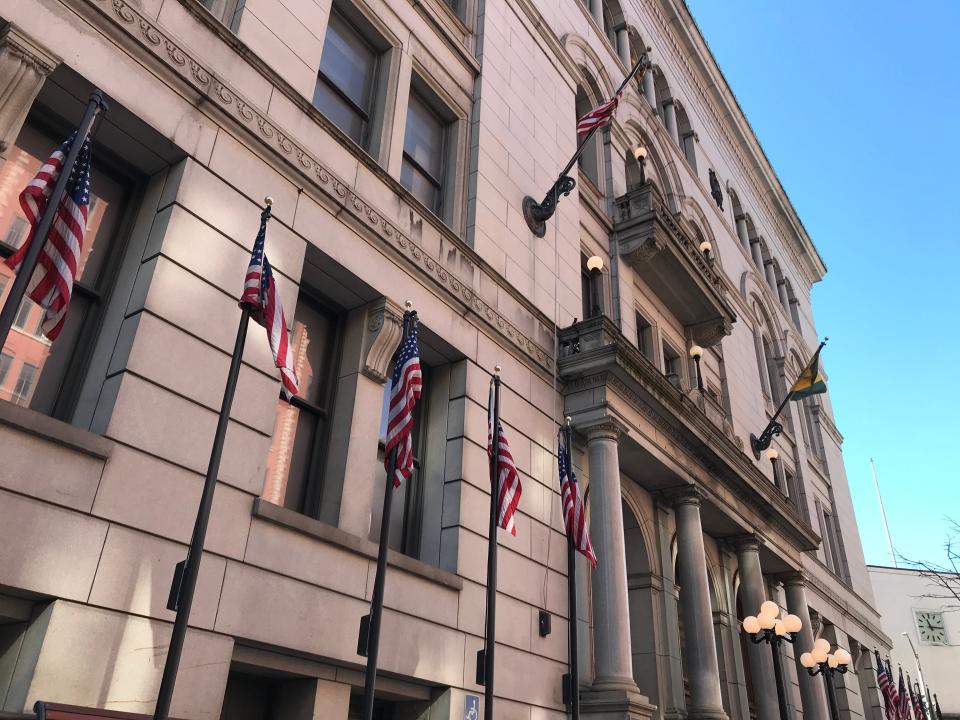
24 66
682 495
794 578
30 52
746 542
381 335
605 427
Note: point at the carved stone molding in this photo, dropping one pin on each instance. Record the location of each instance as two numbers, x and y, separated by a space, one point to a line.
24 65
747 541
255 120
381 336
709 333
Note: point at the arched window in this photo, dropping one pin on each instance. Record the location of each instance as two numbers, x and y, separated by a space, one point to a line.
739 219
686 136
589 160
661 91
793 304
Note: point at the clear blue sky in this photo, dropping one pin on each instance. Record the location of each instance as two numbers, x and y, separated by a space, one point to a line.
856 104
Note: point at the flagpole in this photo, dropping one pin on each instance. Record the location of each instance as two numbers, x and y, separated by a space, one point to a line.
536 214
574 677
758 444
486 655
369 641
95 105
182 593
883 513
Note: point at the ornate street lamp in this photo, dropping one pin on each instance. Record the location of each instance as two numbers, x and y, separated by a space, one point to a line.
820 661
595 268
768 627
696 352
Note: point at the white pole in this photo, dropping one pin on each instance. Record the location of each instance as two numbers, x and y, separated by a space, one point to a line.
883 513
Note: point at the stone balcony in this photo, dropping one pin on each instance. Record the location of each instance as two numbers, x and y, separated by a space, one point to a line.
661 249
599 366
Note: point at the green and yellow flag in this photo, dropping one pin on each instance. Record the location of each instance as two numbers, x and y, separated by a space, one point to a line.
810 382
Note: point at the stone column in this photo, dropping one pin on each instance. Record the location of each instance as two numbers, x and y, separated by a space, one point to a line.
623 47
671 667
611 611
753 594
650 89
700 652
670 120
614 694
24 65
596 9
811 688
755 252
742 232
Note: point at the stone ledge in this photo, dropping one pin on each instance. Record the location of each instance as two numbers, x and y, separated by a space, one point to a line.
55 431
335 536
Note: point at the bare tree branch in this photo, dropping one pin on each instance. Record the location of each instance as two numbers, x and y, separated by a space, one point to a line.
945 578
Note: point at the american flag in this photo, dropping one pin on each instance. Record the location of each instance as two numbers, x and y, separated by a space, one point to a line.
508 480
885 682
405 389
918 710
52 281
574 516
598 117
261 297
903 705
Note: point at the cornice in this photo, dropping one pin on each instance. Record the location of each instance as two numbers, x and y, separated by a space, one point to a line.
811 266
155 39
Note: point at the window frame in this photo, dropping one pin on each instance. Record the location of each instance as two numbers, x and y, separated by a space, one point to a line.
48 124
439 184
368 115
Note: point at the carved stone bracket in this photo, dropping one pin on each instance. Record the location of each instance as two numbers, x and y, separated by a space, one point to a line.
381 336
709 333
24 65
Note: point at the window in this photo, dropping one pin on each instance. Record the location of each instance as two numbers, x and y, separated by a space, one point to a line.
813 431
773 377
16 233
23 314
21 391
347 79
423 168
645 337
831 547
297 454
407 508
53 384
688 145
671 366
226 11
5 361
589 160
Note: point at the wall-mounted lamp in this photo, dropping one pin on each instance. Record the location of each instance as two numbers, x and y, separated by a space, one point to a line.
696 352
772 455
595 267
640 153
706 248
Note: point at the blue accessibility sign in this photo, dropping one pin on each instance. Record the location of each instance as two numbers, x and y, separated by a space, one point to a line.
471 707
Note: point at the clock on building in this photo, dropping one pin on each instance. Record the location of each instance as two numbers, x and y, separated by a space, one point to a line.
930 627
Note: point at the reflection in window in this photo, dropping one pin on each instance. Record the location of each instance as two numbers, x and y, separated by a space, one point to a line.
346 80
671 366
422 171
21 391
294 465
46 387
226 11
5 362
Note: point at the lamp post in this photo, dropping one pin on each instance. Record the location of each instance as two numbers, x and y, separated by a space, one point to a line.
768 627
820 661
772 456
640 153
595 267
696 352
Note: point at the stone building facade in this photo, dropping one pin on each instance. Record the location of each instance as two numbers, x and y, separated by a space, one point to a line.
398 140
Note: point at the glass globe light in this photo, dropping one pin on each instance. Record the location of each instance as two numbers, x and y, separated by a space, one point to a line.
595 263
807 660
819 655
751 625
832 661
640 153
767 622
842 657
696 351
705 246
792 623
769 607
772 454
779 629
822 644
